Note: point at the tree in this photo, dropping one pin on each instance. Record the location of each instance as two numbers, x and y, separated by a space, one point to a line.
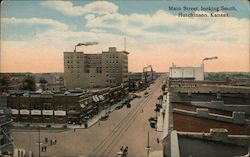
43 81
4 80
163 87
29 83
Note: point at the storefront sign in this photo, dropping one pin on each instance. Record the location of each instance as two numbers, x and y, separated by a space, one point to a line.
48 112
35 112
25 112
14 111
60 113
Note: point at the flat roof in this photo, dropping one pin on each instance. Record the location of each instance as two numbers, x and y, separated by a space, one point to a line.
194 124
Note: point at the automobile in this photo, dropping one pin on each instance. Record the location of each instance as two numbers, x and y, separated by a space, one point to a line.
104 117
153 124
137 96
128 105
119 107
122 152
146 94
119 154
152 119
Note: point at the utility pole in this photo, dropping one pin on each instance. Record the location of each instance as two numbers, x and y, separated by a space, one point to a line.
39 143
125 46
148 146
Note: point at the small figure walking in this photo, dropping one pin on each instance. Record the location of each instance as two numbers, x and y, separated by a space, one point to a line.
45 148
42 148
158 141
46 139
55 141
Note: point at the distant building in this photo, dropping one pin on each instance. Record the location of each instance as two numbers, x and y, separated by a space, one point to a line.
6 144
186 73
51 78
110 68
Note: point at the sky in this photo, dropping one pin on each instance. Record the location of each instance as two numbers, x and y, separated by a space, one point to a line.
34 34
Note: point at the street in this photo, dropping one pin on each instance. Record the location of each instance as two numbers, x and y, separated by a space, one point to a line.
124 127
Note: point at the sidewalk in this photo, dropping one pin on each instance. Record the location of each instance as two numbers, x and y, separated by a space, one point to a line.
96 118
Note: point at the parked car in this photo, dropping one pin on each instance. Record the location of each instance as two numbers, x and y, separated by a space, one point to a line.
119 107
128 105
104 117
146 94
122 152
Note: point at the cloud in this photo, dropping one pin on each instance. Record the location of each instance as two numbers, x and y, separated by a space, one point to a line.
34 21
163 26
67 8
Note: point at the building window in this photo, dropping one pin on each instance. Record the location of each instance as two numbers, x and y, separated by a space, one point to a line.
36 106
72 108
47 106
24 106
59 107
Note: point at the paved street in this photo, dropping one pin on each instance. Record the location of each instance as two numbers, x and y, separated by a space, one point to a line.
125 127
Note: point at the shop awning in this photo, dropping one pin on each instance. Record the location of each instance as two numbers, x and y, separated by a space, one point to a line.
97 98
94 98
101 97
82 105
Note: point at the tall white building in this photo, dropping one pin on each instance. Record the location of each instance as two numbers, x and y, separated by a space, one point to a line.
188 73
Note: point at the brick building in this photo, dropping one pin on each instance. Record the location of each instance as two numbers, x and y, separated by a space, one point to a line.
110 68
62 108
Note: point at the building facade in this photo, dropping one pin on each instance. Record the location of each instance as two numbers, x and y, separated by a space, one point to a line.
62 108
110 68
6 143
187 73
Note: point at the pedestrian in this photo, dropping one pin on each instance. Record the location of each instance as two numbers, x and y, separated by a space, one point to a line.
21 153
51 142
45 148
74 129
30 154
55 141
46 139
18 153
42 148
158 141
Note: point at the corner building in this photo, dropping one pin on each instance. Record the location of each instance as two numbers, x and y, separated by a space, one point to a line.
110 68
